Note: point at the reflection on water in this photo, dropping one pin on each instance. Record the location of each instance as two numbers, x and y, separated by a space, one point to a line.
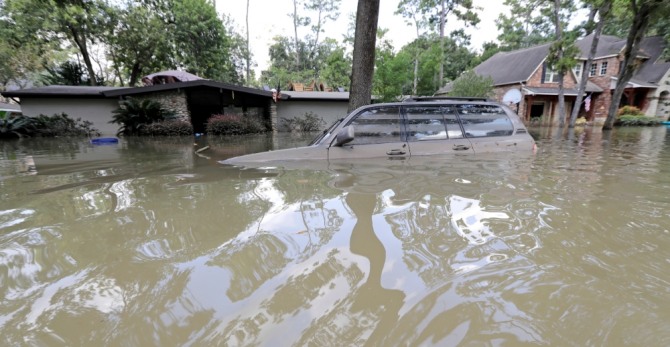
147 242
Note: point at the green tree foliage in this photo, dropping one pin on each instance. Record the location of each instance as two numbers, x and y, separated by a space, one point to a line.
304 57
139 37
139 44
202 45
20 53
457 58
337 70
390 71
469 84
525 25
69 73
80 23
436 14
620 23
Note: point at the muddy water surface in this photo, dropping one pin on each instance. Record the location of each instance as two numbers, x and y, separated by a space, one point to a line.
147 243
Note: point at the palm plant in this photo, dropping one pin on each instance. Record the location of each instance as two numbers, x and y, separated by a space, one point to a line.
13 126
134 114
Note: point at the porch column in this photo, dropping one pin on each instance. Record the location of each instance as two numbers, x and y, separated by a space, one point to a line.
529 104
273 116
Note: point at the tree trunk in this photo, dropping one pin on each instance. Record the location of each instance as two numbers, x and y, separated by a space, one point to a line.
296 22
247 56
561 73
81 43
415 84
628 66
443 24
602 13
363 63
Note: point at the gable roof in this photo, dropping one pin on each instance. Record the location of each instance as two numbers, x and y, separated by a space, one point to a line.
518 65
607 46
652 70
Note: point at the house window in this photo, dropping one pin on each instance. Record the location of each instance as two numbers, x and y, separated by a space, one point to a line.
603 68
550 76
594 68
577 70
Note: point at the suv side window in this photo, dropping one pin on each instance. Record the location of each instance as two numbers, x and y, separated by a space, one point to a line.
484 120
378 125
432 123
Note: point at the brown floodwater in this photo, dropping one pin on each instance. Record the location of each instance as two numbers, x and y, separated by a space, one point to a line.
148 243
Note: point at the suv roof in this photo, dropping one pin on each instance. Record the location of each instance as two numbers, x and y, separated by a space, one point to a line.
445 98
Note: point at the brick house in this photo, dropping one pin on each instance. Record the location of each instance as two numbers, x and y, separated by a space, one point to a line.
526 71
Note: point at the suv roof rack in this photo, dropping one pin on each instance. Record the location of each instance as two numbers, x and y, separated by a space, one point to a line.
438 98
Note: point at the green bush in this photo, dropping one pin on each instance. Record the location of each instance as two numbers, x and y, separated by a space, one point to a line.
45 126
15 126
134 114
629 111
308 122
233 124
629 120
174 127
63 125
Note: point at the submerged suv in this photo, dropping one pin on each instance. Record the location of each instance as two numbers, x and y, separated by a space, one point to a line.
414 127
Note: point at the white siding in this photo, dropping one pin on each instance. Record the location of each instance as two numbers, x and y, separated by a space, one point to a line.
97 111
329 111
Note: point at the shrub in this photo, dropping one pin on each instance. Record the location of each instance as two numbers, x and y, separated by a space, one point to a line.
14 126
629 111
309 122
45 126
580 121
233 124
63 125
629 120
135 114
174 127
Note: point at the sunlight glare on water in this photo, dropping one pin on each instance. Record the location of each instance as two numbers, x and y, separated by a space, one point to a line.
147 242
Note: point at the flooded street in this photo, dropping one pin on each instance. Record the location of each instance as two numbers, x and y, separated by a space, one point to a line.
148 243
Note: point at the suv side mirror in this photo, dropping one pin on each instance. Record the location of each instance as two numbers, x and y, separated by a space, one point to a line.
344 136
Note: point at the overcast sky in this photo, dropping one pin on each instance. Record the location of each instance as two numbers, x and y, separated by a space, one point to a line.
268 18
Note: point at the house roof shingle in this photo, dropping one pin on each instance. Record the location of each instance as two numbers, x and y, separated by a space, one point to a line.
518 65
60 91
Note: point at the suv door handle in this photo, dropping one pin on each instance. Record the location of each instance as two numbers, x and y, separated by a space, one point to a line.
460 148
396 152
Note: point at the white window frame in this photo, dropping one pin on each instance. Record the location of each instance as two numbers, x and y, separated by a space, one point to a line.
594 69
603 68
577 70
550 76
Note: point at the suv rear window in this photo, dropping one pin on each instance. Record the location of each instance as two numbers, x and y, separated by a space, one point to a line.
432 123
484 120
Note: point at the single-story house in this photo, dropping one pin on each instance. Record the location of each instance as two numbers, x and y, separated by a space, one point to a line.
329 106
194 100
87 103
